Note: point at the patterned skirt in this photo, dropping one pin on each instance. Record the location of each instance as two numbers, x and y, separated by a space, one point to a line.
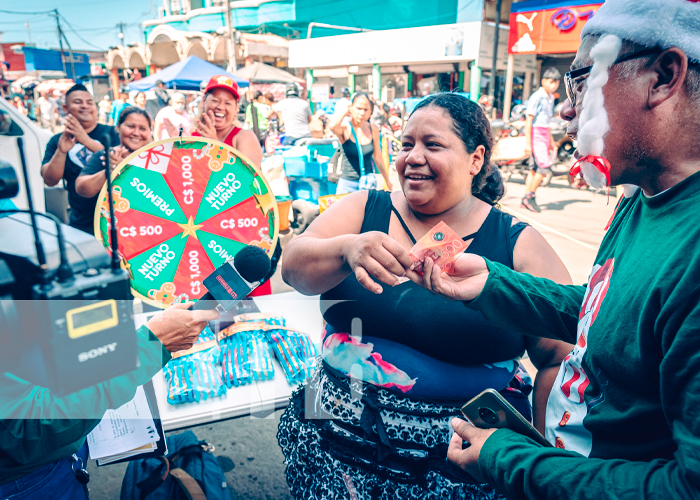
343 439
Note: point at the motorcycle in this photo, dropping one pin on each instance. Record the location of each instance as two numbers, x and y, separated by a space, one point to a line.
509 150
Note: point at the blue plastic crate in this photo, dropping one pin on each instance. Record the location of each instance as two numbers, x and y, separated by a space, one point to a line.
309 189
299 167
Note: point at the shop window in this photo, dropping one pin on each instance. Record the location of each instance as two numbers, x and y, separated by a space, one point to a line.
427 85
394 86
362 83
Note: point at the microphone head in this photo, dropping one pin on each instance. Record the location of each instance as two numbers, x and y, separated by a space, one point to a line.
252 263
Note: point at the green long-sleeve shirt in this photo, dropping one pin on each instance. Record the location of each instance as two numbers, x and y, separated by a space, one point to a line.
624 411
37 428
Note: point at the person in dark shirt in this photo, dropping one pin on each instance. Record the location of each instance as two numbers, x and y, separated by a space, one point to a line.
161 95
622 416
68 153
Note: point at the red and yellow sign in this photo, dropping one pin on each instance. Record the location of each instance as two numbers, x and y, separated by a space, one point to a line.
552 28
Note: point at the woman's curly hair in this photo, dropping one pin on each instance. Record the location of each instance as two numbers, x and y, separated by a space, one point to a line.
470 123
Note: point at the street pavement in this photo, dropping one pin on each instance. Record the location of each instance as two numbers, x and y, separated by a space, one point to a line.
571 220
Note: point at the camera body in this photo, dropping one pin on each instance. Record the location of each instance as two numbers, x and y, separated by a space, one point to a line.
62 335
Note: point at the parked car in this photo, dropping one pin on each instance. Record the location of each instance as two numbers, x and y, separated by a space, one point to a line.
13 125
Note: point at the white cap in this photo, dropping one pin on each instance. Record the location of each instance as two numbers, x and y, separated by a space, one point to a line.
667 23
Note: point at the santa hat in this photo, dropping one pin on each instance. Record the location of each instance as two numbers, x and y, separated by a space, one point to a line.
663 23
667 23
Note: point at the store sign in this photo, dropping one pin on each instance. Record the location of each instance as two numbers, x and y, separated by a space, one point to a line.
552 28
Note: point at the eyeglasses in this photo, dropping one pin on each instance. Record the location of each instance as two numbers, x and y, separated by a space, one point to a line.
572 78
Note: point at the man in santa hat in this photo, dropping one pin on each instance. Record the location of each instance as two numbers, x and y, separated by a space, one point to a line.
623 416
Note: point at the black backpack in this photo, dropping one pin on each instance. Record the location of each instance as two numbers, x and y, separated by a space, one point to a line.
188 472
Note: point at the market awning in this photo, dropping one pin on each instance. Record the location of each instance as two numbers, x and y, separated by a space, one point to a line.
264 73
187 74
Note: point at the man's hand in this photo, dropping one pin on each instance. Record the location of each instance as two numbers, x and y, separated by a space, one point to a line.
466 283
177 328
66 142
468 458
205 125
74 128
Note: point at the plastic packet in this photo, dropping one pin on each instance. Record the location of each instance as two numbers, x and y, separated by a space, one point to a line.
195 375
245 355
294 350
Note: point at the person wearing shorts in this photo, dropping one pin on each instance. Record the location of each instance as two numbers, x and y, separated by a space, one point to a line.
540 144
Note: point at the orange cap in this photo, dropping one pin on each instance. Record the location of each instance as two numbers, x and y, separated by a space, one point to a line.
223 82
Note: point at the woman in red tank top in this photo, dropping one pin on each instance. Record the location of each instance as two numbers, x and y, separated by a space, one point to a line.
218 119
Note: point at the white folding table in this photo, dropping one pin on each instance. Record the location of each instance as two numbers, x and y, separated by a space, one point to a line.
259 397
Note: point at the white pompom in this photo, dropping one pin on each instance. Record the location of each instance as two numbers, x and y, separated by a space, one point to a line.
594 177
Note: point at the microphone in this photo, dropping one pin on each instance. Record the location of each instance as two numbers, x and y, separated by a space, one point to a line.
235 279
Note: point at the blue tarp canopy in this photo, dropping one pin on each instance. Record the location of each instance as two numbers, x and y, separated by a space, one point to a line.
187 74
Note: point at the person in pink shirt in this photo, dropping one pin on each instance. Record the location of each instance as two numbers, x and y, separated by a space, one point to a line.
171 118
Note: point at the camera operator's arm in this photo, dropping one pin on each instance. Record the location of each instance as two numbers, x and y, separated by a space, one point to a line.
37 427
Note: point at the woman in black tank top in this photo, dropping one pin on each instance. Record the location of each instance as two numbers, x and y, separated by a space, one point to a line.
420 356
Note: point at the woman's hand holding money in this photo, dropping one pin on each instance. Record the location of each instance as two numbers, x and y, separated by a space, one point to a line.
375 255
465 283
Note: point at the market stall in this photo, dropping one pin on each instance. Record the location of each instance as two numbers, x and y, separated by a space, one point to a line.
266 78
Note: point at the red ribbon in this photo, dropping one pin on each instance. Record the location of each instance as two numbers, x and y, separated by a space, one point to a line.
600 163
152 156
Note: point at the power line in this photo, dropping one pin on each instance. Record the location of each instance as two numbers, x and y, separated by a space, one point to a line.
76 33
25 13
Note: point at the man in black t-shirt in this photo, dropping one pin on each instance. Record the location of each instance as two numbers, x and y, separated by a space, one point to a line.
67 153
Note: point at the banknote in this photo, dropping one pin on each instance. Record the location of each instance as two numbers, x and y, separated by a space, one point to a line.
441 244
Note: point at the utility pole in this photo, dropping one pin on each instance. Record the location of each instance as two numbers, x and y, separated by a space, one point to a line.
492 82
121 33
230 44
29 33
61 38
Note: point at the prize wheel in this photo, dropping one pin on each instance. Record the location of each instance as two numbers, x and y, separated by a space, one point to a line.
183 207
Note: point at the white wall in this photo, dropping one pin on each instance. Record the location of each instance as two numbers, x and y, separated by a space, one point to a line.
442 43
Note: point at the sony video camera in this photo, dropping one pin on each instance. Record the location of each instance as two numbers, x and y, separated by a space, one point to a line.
66 309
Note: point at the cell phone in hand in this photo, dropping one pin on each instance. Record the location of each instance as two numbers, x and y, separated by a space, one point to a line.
490 410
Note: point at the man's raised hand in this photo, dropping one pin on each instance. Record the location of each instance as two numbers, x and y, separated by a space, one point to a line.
66 142
74 128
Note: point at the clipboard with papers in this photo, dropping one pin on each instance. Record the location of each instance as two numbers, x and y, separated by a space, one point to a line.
132 431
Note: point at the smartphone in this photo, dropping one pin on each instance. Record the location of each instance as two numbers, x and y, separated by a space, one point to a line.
489 409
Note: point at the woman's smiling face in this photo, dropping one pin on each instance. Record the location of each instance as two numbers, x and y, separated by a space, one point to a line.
224 105
134 132
435 169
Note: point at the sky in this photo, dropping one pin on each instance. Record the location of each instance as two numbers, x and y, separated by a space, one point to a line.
95 21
